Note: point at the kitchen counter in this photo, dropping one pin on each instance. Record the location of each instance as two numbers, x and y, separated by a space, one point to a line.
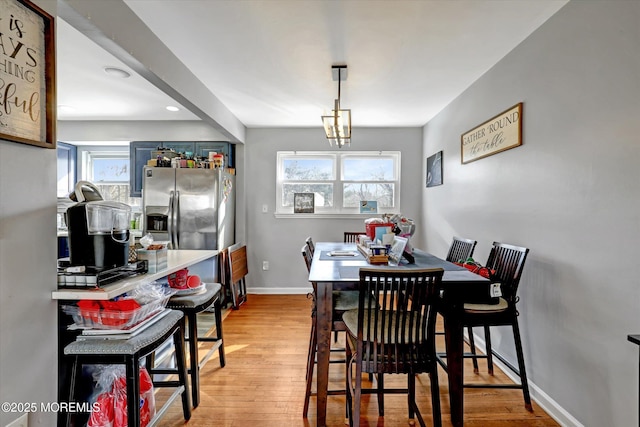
176 260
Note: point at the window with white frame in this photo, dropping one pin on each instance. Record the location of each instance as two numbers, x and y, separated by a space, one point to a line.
340 181
109 171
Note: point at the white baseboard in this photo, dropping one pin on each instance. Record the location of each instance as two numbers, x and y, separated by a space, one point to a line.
549 405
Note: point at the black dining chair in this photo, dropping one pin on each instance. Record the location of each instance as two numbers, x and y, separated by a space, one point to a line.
312 246
460 249
352 236
393 333
507 262
342 301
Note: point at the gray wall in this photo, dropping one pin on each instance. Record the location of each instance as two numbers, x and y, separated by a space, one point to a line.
279 240
28 333
570 194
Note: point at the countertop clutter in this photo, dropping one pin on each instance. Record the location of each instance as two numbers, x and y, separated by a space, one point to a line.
176 260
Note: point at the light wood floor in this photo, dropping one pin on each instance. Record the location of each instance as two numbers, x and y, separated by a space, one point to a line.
263 382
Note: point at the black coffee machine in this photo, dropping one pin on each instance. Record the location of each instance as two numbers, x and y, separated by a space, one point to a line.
98 229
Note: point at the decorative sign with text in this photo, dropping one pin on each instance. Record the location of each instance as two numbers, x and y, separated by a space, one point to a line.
497 134
27 74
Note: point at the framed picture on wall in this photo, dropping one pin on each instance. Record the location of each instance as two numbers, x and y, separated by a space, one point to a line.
303 202
434 169
29 85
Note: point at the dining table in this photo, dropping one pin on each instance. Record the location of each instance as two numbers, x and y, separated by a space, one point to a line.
336 267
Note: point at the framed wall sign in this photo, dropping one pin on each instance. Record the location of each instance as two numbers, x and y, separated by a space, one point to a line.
27 78
434 169
497 134
303 202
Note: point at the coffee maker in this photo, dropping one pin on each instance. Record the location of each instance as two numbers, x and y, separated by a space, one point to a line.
98 229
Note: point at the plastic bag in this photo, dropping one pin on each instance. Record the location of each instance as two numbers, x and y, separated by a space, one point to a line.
111 397
149 292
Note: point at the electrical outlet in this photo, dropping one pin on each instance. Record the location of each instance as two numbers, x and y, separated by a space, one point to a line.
265 208
265 265
23 421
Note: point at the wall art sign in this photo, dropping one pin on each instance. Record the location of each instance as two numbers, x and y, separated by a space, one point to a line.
27 74
497 134
434 169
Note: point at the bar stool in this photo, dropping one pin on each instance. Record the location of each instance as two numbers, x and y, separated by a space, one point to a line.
128 352
191 305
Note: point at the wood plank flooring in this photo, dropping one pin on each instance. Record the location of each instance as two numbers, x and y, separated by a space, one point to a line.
263 384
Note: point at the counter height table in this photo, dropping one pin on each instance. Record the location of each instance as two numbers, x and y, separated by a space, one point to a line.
332 273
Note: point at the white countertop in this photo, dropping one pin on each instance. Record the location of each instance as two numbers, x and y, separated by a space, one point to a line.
176 260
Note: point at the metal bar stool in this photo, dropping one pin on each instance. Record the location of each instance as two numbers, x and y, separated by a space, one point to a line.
128 352
191 305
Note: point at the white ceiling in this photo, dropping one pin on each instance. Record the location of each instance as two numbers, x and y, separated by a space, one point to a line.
269 61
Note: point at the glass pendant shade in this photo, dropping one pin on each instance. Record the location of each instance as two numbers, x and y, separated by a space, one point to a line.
337 126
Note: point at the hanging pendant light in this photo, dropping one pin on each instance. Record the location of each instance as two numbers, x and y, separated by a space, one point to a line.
337 126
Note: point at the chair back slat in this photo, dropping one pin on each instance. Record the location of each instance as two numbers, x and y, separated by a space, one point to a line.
460 249
396 319
508 263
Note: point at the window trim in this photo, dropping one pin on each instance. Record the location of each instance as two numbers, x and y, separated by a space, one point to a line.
338 182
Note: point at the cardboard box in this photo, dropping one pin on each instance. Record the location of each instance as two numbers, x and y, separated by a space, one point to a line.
156 259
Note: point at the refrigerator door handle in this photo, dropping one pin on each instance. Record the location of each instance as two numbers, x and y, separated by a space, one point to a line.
176 218
170 219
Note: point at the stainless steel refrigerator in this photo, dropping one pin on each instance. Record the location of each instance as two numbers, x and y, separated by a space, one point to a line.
190 208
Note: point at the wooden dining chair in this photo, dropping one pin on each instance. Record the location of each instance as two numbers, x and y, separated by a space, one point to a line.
342 302
460 249
312 247
352 236
393 333
508 262
237 272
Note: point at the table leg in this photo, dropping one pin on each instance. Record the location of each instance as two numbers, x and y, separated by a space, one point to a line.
454 342
323 328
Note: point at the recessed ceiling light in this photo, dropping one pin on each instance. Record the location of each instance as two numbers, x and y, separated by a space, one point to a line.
172 108
117 72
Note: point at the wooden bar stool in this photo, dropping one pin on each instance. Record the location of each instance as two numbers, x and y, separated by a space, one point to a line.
128 352
191 305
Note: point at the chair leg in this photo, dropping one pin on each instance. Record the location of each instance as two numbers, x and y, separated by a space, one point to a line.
217 306
523 372
411 397
132 368
472 345
435 396
194 360
311 358
348 384
181 365
380 380
358 391
487 339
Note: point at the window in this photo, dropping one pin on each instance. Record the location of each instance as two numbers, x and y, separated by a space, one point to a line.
340 181
109 171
